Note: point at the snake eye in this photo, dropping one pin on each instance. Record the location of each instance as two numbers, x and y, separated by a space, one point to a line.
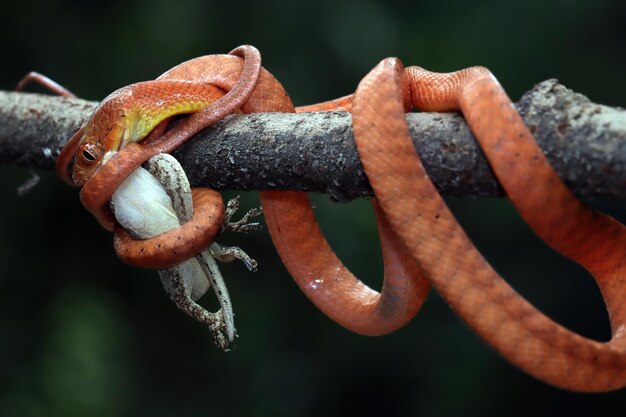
89 153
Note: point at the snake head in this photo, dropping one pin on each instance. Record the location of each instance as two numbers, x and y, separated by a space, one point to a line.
103 136
95 150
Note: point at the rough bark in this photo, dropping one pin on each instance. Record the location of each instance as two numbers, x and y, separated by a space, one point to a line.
585 142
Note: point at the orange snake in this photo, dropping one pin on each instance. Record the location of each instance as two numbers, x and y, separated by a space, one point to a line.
421 241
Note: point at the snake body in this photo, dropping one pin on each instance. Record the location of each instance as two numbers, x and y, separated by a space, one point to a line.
422 243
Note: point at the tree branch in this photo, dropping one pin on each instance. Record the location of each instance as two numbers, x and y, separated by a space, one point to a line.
585 142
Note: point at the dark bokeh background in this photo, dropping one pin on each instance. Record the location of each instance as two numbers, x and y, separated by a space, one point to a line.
83 334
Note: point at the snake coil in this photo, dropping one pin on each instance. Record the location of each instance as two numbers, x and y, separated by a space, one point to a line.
422 243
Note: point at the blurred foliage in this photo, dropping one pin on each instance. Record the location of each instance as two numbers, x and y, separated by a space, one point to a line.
84 335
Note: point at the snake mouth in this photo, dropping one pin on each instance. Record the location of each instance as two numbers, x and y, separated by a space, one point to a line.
80 178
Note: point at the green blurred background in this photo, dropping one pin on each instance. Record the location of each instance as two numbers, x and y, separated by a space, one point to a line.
84 335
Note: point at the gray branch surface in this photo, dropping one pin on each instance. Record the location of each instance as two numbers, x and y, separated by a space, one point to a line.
585 142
